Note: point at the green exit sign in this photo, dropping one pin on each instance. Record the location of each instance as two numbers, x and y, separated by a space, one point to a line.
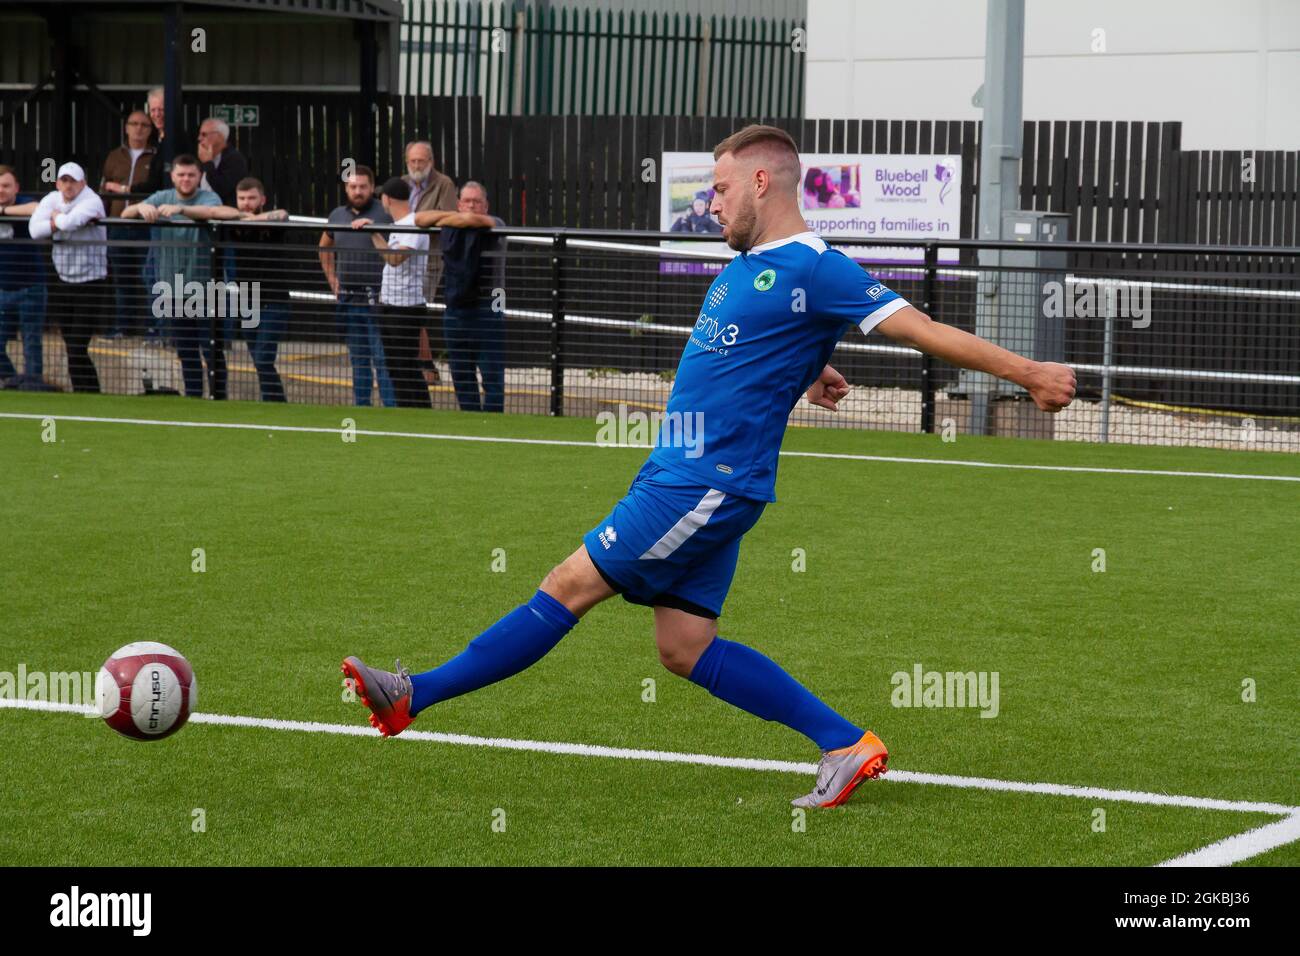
238 115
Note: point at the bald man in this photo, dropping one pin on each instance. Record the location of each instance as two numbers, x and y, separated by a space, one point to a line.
765 333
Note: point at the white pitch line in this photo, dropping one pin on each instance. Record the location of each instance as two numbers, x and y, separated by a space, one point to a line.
243 426
708 760
1243 846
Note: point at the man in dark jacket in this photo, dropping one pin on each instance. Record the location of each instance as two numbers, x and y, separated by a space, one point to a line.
223 165
259 254
160 172
474 285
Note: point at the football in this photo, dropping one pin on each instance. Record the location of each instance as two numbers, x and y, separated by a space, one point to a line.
146 691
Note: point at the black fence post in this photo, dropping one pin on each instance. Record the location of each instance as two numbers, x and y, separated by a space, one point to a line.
927 363
216 275
557 323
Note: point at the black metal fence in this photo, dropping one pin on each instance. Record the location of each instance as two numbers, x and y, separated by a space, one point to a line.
546 60
1118 181
574 322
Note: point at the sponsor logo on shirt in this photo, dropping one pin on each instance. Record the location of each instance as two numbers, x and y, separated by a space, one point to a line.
716 295
765 280
712 336
876 291
607 537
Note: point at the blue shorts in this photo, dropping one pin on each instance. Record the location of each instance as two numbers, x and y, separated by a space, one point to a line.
672 542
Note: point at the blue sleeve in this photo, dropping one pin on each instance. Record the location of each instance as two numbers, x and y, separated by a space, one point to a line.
843 291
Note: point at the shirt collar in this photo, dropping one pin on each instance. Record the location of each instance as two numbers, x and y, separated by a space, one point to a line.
777 243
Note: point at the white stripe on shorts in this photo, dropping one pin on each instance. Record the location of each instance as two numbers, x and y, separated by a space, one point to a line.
690 523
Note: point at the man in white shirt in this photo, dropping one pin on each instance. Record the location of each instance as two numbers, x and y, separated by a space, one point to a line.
81 298
402 310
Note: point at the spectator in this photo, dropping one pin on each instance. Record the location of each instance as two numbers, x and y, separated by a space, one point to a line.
160 172
354 274
81 295
223 165
474 284
259 263
22 289
430 190
184 255
401 295
126 169
160 179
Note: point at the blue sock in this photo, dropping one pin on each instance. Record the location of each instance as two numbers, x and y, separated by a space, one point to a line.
751 681
518 640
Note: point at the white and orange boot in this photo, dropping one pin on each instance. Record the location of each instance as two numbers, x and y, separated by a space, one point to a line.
840 772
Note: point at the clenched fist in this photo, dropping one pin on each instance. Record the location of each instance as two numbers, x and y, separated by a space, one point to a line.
1051 385
829 388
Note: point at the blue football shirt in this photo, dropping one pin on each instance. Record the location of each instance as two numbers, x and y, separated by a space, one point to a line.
767 328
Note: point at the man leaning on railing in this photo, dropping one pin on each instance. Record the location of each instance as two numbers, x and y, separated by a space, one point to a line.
183 257
354 272
403 311
260 282
22 293
474 284
81 298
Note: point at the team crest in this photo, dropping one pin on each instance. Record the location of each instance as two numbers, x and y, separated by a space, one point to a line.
765 280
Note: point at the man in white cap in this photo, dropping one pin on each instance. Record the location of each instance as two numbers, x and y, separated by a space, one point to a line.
80 298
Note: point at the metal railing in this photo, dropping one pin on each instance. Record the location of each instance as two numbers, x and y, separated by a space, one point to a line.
1170 345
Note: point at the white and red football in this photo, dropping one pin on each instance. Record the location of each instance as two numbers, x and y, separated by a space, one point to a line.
146 691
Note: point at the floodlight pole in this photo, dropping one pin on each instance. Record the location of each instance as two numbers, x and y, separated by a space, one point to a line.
1002 142
1001 146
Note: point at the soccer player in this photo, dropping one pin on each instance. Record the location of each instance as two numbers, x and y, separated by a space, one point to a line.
766 329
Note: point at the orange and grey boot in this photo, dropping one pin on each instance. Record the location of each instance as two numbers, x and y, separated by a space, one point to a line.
840 772
386 693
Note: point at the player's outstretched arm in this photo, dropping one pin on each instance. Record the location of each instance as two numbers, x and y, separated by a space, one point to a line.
1050 384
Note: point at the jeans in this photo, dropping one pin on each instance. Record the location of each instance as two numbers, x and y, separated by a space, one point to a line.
263 341
190 335
149 275
126 265
476 337
22 311
357 319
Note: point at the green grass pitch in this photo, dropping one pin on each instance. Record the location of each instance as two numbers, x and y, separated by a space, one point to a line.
317 548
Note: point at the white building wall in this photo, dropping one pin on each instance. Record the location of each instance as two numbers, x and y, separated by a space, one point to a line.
1228 69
